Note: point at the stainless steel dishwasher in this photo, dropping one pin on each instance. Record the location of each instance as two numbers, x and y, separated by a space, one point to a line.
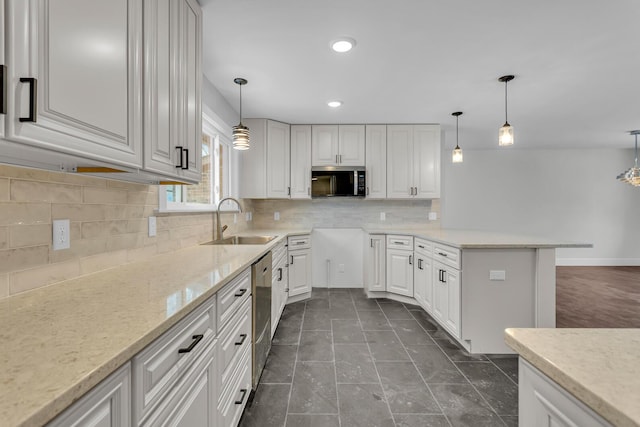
261 289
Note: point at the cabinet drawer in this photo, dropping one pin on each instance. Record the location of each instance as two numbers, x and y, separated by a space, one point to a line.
234 339
447 255
160 365
233 399
299 242
399 242
232 296
423 247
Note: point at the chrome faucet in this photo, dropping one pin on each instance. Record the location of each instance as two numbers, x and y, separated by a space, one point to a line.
219 228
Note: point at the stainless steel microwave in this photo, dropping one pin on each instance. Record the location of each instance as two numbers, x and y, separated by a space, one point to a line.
338 181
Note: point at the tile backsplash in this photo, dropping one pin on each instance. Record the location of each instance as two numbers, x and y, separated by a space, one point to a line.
109 226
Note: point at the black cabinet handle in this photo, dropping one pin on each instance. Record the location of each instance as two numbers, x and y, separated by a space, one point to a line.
186 155
440 273
444 276
244 393
410 259
196 340
291 263
419 264
3 89
33 99
240 293
442 253
179 165
279 274
242 338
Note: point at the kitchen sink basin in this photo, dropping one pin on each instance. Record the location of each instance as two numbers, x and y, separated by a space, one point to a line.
242 240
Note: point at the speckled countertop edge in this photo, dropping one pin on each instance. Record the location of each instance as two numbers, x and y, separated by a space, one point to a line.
618 405
22 406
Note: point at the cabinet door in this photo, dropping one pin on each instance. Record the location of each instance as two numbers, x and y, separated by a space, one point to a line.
423 282
440 294
86 59
452 317
324 145
376 161
426 161
399 161
278 138
299 272
107 405
400 272
351 146
173 118
375 272
3 76
300 161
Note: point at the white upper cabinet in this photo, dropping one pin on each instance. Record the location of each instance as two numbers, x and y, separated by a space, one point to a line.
376 161
74 83
338 145
3 75
172 82
265 168
300 161
413 161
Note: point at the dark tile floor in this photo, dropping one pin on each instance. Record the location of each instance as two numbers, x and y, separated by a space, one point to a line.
342 360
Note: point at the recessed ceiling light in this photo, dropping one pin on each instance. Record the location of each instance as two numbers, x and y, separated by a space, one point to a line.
343 44
334 104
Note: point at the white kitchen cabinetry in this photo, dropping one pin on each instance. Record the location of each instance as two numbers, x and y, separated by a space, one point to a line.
299 265
413 161
423 274
447 285
172 82
74 82
279 284
107 405
543 403
338 145
375 263
400 265
376 161
300 161
265 168
3 74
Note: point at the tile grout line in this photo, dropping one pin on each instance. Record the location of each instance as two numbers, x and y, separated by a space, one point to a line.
295 364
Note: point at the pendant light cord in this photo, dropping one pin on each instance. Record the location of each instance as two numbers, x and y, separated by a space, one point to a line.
240 103
506 119
457 145
636 150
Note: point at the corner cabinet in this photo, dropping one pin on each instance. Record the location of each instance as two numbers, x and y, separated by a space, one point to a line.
299 265
400 265
413 161
338 145
74 77
423 274
172 82
265 167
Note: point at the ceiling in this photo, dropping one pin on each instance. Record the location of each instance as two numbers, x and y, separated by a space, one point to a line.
576 62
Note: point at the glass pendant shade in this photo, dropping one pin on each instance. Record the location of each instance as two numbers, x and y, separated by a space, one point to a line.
241 137
505 135
457 155
632 175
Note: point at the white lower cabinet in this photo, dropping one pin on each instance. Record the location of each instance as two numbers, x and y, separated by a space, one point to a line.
400 265
423 275
279 285
107 405
543 403
299 265
375 263
446 297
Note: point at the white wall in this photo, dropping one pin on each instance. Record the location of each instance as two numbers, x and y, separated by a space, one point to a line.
565 194
213 101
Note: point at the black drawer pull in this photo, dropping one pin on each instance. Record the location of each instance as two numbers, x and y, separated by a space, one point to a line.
242 338
33 99
244 393
179 165
421 247
441 253
279 274
186 163
196 340
3 89
240 293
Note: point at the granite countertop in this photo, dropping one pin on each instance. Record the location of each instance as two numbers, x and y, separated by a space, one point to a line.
474 239
58 342
600 367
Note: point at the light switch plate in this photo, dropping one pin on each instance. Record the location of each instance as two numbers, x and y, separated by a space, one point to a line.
499 275
61 237
276 216
433 216
153 227
383 216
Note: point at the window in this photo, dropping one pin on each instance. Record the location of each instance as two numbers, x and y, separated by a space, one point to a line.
216 175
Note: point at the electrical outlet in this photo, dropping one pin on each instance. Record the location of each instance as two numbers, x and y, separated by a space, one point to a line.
340 268
433 216
383 216
61 237
276 216
247 216
153 226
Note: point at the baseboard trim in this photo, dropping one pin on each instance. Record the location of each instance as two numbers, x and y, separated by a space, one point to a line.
594 262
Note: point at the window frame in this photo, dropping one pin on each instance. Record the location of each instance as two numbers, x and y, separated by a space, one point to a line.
211 125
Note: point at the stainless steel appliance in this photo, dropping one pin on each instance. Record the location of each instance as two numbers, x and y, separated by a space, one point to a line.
261 291
338 181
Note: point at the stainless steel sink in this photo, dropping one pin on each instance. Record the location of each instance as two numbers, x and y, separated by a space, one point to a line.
242 240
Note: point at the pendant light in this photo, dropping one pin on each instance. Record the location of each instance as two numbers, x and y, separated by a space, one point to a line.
240 132
457 152
505 135
632 175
